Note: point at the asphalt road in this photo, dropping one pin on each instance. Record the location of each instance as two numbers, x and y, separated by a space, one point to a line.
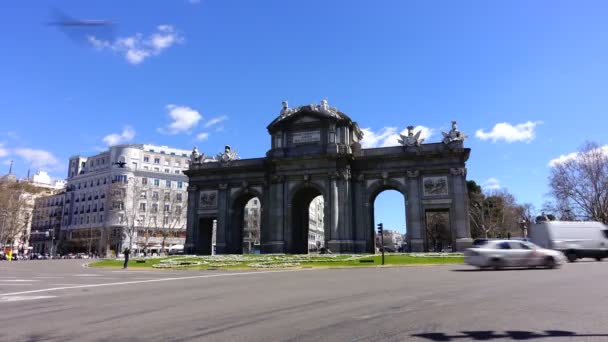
59 300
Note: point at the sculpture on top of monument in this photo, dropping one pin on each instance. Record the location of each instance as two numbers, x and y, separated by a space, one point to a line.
411 139
196 157
325 108
454 135
285 110
228 155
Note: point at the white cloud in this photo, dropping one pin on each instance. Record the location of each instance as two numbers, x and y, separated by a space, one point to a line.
39 159
184 119
126 135
373 139
3 151
491 184
509 133
388 136
216 120
202 136
137 48
572 156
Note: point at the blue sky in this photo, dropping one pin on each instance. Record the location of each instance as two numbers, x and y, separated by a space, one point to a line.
536 67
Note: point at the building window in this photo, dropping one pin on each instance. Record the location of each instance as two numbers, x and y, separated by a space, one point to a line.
178 197
146 167
167 196
144 181
167 208
178 171
180 184
156 182
155 195
146 159
168 183
167 171
178 210
156 160
156 169
143 195
154 208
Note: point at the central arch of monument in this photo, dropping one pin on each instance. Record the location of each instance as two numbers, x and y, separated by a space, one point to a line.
316 151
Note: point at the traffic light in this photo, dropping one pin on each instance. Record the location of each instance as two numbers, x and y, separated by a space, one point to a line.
380 229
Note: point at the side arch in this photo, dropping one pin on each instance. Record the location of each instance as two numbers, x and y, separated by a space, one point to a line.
372 192
234 231
300 197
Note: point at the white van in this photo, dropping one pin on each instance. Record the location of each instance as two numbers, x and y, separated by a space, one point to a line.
575 239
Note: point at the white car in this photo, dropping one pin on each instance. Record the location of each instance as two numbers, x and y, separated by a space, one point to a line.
497 254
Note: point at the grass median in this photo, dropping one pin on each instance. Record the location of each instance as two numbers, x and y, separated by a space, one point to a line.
283 261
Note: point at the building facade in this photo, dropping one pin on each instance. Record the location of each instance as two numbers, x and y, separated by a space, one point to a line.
130 196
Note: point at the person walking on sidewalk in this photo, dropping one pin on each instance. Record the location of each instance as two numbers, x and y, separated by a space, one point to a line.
126 252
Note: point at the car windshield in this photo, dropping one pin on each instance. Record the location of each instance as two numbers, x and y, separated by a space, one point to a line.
530 245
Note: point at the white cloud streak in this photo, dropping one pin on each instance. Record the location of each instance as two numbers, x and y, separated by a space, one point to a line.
215 121
39 159
125 136
137 48
202 136
491 184
184 119
387 136
573 156
3 151
506 132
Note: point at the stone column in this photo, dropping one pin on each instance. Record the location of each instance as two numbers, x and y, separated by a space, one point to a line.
360 216
222 219
191 220
334 210
415 217
274 236
460 213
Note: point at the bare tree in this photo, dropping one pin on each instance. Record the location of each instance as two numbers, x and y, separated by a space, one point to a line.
581 183
496 213
124 205
171 220
16 206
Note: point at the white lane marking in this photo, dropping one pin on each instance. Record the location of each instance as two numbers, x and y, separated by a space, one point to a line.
20 298
21 284
60 284
48 277
18 280
149 281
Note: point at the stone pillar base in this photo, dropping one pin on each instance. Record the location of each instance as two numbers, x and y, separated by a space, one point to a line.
341 246
463 243
272 247
189 248
360 246
416 245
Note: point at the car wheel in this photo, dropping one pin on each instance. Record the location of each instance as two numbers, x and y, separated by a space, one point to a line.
571 256
599 258
549 262
496 264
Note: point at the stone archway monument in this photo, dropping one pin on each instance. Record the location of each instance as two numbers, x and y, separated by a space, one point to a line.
316 151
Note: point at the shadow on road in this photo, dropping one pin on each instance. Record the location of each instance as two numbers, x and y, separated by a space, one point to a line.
502 269
513 335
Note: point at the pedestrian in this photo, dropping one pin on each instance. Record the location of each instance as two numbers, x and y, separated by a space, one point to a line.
126 252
